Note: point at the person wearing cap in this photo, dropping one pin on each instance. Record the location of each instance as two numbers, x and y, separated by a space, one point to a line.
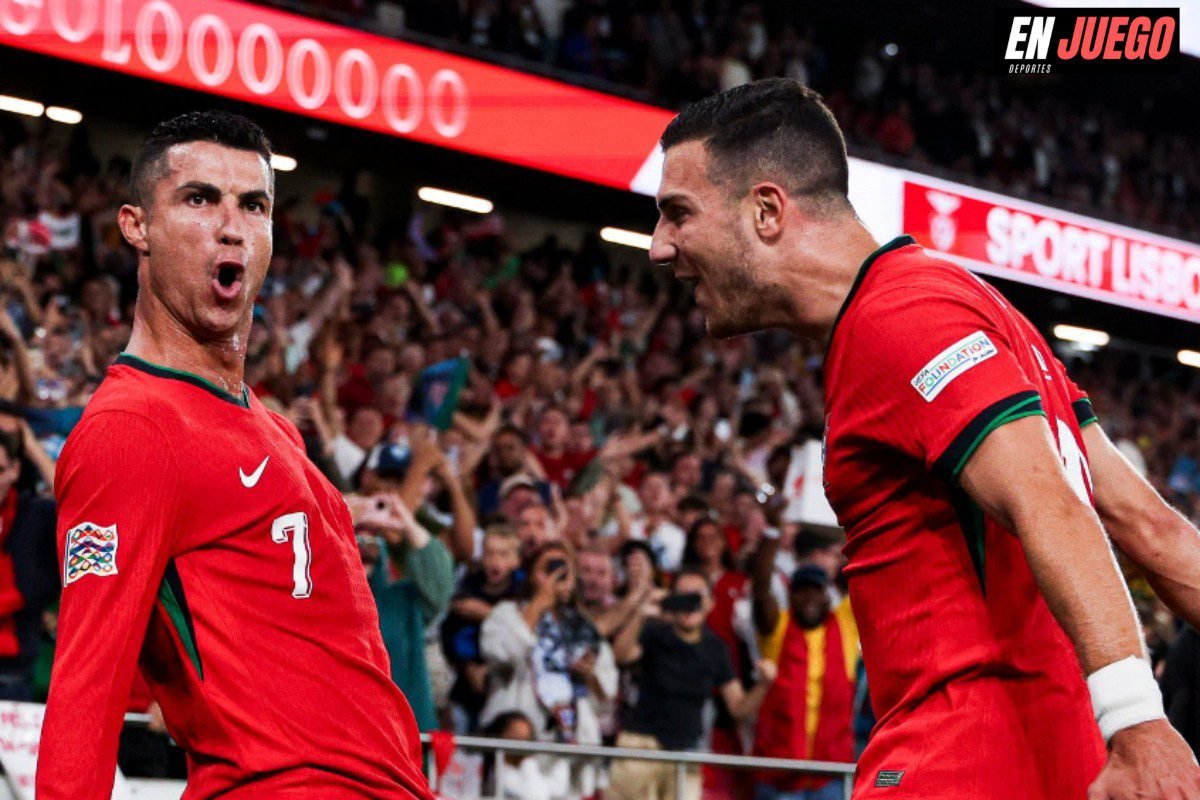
412 465
808 709
518 491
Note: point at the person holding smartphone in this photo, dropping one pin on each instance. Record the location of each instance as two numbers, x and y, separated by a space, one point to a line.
547 658
681 663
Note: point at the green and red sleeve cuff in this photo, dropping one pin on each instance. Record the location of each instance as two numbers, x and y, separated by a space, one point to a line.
952 460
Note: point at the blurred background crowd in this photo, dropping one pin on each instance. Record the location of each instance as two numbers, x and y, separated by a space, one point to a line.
899 96
575 509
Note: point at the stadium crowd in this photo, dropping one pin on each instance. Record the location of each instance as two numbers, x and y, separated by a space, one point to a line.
573 507
890 98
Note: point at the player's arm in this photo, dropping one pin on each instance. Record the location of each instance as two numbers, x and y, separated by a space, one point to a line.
117 494
1016 477
1155 536
937 372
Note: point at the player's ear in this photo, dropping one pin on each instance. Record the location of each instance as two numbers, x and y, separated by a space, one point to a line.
132 220
769 201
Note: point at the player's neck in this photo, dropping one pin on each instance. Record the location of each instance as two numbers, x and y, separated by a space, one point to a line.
160 340
830 258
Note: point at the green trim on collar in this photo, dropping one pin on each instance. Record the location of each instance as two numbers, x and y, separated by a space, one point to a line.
902 240
159 371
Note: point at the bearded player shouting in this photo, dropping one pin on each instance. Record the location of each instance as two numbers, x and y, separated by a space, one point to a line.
963 463
195 533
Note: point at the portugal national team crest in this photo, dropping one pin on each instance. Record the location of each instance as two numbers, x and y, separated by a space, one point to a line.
91 550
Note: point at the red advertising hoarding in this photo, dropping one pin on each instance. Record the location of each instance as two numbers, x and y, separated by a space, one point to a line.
298 64
1069 253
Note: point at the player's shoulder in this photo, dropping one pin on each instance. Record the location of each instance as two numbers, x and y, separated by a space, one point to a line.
910 274
126 413
129 397
905 290
284 424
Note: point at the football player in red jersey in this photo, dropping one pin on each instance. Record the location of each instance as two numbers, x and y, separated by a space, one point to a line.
198 541
963 463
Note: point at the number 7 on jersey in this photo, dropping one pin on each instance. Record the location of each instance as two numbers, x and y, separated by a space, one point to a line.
296 524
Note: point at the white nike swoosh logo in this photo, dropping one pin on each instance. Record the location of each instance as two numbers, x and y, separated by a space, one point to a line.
251 480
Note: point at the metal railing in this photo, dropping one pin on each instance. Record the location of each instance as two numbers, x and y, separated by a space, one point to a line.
681 759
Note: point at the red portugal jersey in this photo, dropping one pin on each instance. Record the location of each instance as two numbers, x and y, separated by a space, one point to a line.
199 542
977 689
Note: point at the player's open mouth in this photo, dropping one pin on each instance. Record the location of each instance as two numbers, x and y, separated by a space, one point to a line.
227 282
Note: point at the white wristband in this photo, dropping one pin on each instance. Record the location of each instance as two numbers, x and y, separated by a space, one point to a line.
1124 694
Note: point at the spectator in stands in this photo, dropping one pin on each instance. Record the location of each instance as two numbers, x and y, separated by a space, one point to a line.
597 582
708 552
681 662
598 596
536 526
548 660
29 570
362 434
825 551
493 582
807 714
653 524
411 575
412 465
510 456
560 464
524 777
638 566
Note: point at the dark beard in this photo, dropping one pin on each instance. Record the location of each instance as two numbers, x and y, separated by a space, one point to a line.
740 299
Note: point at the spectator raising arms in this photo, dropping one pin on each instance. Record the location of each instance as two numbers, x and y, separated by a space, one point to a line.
411 577
808 710
681 662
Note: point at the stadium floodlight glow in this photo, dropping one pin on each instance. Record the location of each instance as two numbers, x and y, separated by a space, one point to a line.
67 116
627 238
18 106
282 163
463 202
1189 358
1084 336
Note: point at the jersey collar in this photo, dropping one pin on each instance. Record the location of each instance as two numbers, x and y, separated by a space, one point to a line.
895 244
159 371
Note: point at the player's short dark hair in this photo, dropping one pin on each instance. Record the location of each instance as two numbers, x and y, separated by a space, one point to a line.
774 129
220 127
